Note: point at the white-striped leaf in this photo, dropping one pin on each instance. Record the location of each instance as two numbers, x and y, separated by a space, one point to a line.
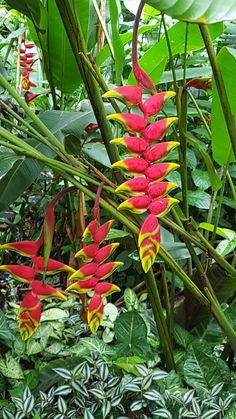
162 413
187 397
136 406
106 408
28 404
63 390
61 404
63 373
152 395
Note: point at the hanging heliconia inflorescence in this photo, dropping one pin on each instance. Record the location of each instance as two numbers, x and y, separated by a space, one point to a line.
88 277
147 189
26 63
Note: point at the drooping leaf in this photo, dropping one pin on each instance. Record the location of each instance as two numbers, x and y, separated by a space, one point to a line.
203 11
226 61
6 335
17 180
117 43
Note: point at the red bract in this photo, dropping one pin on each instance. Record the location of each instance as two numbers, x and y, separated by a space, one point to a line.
102 232
161 206
203 83
135 145
130 95
53 266
95 312
21 273
160 189
153 104
82 287
105 252
135 165
134 186
156 131
132 122
45 291
107 269
158 151
86 272
25 248
160 171
87 253
136 204
143 79
29 315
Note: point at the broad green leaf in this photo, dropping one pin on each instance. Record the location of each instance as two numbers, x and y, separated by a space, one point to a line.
17 180
214 178
53 314
201 179
198 199
7 162
117 43
221 231
10 368
191 73
225 247
6 334
128 363
131 335
62 63
104 54
200 11
229 202
95 345
68 123
97 152
182 336
202 371
155 58
32 10
33 347
221 145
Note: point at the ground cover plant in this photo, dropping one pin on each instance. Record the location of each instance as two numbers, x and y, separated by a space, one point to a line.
117 209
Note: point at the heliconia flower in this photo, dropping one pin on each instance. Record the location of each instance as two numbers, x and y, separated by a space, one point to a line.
148 252
29 315
160 170
105 252
29 62
150 227
143 79
102 232
95 312
23 57
85 272
44 291
22 51
29 45
21 273
161 206
158 151
29 97
135 145
134 186
200 83
24 248
132 122
157 130
135 165
107 269
87 253
82 287
160 189
91 229
153 104
53 266
129 95
105 289
30 54
48 233
23 64
25 83
136 204
32 84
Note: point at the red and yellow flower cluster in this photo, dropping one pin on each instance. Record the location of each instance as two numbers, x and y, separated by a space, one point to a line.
147 189
87 277
26 63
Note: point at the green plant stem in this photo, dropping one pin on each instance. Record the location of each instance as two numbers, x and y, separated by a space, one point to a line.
75 35
222 320
98 77
170 53
199 112
185 55
165 291
229 118
155 300
17 127
232 187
